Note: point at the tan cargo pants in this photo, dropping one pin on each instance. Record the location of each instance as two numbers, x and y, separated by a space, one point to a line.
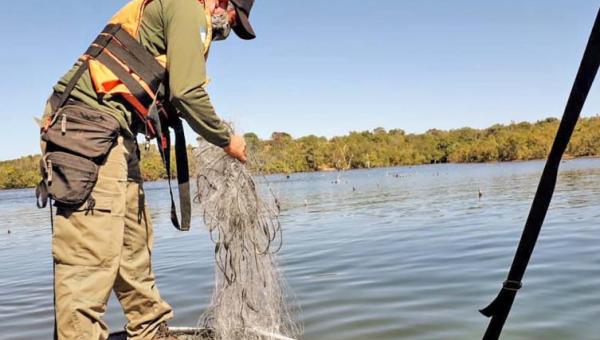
107 248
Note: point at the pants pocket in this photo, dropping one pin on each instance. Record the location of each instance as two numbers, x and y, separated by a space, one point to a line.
87 238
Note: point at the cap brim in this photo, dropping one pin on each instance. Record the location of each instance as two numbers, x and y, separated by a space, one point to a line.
242 28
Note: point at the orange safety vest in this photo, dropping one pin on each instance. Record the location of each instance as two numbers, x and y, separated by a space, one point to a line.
106 82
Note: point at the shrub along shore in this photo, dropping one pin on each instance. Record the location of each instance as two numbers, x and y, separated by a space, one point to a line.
378 148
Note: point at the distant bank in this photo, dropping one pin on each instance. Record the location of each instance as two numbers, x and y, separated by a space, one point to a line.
370 149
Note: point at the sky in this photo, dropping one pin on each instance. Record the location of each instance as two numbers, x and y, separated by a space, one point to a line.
330 67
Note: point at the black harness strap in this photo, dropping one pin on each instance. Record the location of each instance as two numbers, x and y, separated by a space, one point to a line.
163 136
129 52
132 85
139 52
71 85
125 48
133 46
124 56
498 310
183 176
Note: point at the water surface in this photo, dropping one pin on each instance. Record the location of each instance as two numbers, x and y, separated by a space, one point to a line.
400 253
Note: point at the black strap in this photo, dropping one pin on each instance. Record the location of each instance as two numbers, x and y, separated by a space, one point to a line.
162 122
126 78
498 310
183 176
152 73
71 85
126 58
133 46
140 53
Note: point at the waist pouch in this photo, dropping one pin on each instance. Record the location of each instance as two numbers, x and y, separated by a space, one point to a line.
77 142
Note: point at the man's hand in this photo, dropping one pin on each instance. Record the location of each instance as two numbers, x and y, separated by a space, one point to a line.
237 148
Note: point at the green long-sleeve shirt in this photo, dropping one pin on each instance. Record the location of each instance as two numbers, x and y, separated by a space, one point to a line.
171 27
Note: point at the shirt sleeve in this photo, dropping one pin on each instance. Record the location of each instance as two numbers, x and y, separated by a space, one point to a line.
184 22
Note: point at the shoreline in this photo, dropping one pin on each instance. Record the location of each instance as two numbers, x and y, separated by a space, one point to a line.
566 158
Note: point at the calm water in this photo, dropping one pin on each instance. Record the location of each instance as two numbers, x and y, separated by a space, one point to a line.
407 257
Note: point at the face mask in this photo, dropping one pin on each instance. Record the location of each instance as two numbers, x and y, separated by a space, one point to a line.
220 26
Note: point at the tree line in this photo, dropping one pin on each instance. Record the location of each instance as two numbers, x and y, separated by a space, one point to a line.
377 148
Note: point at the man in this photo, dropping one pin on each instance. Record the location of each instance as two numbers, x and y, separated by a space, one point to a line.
106 244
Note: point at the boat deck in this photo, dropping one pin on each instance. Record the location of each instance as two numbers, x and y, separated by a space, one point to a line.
182 333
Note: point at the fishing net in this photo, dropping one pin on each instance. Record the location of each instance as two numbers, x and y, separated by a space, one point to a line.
251 299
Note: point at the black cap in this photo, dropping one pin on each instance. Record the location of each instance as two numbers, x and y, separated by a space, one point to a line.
242 27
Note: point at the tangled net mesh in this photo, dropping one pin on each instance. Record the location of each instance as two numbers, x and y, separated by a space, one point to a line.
251 299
